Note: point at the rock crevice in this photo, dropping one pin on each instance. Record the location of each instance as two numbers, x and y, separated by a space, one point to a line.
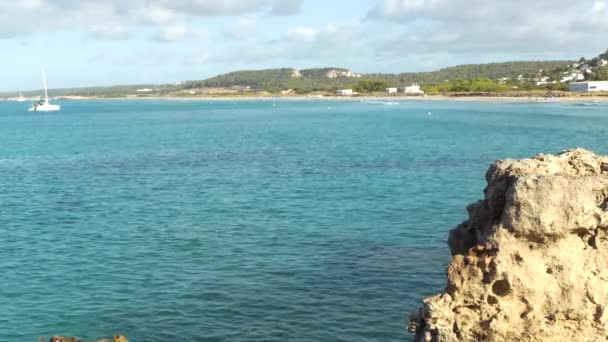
530 263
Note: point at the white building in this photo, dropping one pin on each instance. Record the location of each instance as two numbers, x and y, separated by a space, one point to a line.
544 81
144 90
583 87
391 90
574 77
345 92
566 79
413 89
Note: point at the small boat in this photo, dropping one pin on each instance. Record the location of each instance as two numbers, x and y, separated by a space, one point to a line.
20 98
44 105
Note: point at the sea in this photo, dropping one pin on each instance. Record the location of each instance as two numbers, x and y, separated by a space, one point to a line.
248 220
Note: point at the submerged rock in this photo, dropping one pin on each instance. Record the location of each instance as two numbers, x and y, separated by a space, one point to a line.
530 263
115 338
63 339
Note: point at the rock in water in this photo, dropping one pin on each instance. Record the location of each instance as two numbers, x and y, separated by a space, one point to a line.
531 262
116 338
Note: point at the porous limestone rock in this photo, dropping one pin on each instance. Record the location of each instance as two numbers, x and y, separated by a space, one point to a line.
531 262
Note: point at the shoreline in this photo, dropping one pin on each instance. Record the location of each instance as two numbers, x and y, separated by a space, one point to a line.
457 98
465 98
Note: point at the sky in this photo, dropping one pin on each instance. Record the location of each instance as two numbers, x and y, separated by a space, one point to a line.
109 42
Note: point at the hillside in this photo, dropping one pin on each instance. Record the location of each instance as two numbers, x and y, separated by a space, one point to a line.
277 79
330 78
490 71
595 69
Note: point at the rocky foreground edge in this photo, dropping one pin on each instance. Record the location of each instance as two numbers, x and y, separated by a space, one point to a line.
531 262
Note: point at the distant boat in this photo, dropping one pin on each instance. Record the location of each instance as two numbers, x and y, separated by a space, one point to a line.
44 105
20 98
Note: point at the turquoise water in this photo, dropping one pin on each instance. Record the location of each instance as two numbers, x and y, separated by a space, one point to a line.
247 221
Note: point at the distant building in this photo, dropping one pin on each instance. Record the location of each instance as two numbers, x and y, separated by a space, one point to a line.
345 92
144 90
391 90
543 81
574 77
240 88
567 79
584 87
413 89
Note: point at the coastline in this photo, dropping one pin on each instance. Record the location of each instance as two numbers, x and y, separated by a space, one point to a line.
460 98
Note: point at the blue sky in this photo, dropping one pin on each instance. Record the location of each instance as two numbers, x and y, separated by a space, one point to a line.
95 42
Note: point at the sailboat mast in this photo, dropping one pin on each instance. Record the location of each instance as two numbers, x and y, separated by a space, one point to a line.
46 94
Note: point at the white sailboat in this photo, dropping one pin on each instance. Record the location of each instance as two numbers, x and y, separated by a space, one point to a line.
44 105
21 98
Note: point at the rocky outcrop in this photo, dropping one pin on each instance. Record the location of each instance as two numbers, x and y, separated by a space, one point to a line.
531 262
115 338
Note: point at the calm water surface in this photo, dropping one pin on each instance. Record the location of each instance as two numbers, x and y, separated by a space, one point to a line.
247 221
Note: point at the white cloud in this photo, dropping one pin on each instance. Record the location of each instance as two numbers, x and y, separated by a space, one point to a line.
158 15
18 17
333 44
598 18
180 32
31 4
401 8
232 7
243 28
483 26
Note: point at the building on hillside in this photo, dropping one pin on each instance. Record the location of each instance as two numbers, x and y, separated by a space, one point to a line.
567 79
584 87
544 81
391 90
345 92
413 89
573 77
144 90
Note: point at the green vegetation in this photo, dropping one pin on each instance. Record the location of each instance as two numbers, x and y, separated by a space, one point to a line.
317 80
600 74
370 86
303 80
485 85
260 79
492 71
468 86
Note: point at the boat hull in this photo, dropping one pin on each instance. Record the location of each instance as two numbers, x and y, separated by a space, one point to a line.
45 108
